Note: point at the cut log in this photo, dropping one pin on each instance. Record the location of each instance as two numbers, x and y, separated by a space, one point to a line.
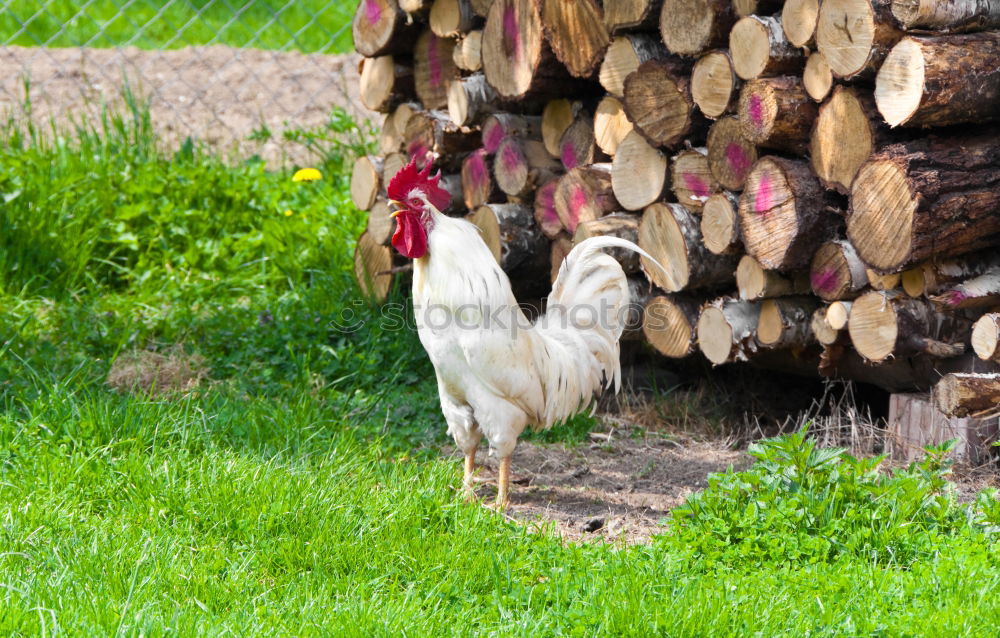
692 179
817 78
481 7
510 232
621 225
470 100
561 246
720 224
556 118
975 395
691 27
886 324
433 70
757 7
916 422
611 125
499 125
754 282
658 102
373 268
415 6
639 173
730 155
986 337
521 166
855 35
401 116
759 49
450 18
784 214
889 281
798 19
777 113
516 59
366 181
577 146
714 84
937 275
385 83
727 330
930 197
941 81
979 292
838 314
956 16
669 323
381 225
381 28
392 164
432 138
786 322
389 139
670 234
625 55
837 272
631 15
478 185
825 334
584 194
546 215
846 133
468 53
577 33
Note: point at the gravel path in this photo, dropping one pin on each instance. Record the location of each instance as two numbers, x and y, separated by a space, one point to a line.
218 95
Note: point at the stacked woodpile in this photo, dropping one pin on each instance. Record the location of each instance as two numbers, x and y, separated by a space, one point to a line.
817 177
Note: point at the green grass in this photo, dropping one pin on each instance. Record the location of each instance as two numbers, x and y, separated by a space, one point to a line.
299 491
312 26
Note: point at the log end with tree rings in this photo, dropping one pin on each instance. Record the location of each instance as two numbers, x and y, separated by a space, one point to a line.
433 69
546 215
838 313
986 337
798 19
669 325
786 322
730 155
381 224
373 268
836 271
726 330
611 125
846 33
366 181
576 32
691 178
900 84
638 173
384 83
825 333
759 49
843 138
658 103
512 46
720 224
873 326
817 77
690 27
380 28
558 115
714 84
882 214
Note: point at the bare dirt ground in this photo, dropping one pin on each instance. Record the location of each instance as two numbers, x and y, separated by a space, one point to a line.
217 95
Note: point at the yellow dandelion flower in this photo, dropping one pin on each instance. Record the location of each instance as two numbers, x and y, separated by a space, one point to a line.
288 212
306 175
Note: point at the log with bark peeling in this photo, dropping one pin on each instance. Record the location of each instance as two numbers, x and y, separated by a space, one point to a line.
968 394
798 19
577 33
720 224
754 282
777 113
385 82
631 15
478 185
941 81
956 16
470 100
691 178
887 324
817 77
714 83
611 125
986 337
979 292
691 27
671 235
626 53
669 323
583 194
620 225
498 126
848 129
786 322
855 35
639 174
759 49
931 197
521 166
727 330
380 27
785 214
937 275
433 69
366 181
546 215
730 155
837 271
658 102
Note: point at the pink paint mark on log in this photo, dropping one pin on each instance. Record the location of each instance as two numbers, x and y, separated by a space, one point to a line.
739 161
492 137
545 199
756 111
696 185
824 281
373 12
434 62
419 152
955 298
568 156
762 198
477 168
511 34
577 201
511 157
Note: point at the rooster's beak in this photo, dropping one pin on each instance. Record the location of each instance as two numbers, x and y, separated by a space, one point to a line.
395 203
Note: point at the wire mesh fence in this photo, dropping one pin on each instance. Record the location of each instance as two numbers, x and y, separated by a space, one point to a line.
230 73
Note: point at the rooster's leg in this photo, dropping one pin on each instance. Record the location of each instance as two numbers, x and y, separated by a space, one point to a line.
470 468
503 484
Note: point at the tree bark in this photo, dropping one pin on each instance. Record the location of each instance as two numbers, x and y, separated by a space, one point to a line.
691 27
670 234
855 35
658 102
979 292
727 330
785 214
611 125
546 215
754 282
381 28
954 16
433 70
759 49
932 197
786 322
639 174
521 166
964 395
577 33
938 275
366 181
692 179
730 155
385 82
620 225
625 55
720 224
584 194
669 324
837 271
798 19
478 185
941 81
498 126
714 84
777 113
886 324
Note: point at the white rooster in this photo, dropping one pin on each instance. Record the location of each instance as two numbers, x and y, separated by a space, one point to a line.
497 372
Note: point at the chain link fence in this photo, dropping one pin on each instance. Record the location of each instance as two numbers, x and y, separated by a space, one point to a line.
232 74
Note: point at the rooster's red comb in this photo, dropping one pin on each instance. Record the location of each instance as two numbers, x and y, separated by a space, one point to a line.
409 178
